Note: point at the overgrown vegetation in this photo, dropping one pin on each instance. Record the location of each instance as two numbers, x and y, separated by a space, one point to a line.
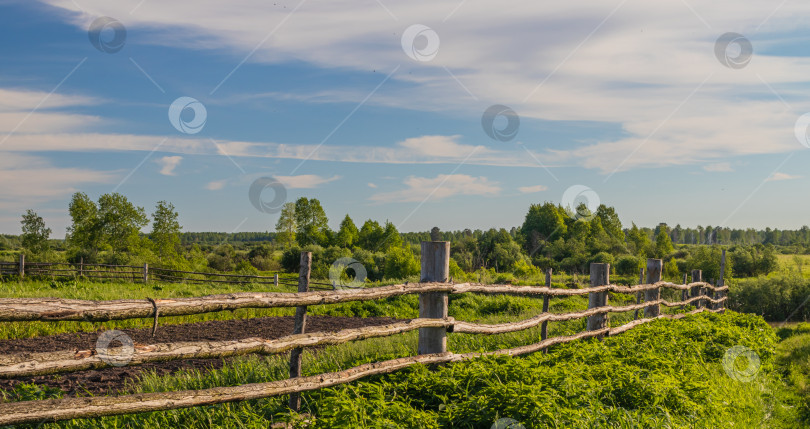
666 374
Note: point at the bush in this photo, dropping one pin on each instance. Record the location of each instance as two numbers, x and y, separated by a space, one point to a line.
291 259
400 263
775 298
628 265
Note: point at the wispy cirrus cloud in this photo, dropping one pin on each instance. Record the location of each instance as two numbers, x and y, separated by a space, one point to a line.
305 181
782 176
532 189
438 188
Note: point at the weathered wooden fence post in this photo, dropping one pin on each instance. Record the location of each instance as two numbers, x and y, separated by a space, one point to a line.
722 281
685 292
697 276
81 266
638 295
654 267
145 273
600 275
275 279
22 265
433 305
300 326
544 326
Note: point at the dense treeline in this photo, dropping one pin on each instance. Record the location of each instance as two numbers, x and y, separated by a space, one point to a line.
110 230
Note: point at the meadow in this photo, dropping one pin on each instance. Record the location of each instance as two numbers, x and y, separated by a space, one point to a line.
663 374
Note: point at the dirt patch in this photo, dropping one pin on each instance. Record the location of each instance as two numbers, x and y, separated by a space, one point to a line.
112 380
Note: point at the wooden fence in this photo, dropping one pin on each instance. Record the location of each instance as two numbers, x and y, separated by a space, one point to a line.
433 325
140 273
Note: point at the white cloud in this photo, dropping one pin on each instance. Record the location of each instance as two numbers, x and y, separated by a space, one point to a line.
532 189
720 167
168 164
371 185
782 176
305 181
438 188
647 68
216 185
29 181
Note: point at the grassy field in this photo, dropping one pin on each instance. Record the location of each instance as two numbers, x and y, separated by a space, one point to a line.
664 374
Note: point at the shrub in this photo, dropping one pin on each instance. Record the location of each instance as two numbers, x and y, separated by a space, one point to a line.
628 265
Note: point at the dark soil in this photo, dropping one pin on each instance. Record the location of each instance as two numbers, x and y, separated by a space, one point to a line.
114 379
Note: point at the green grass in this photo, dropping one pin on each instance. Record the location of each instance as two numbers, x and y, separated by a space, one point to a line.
663 374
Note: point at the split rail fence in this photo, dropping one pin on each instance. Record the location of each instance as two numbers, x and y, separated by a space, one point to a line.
433 325
140 273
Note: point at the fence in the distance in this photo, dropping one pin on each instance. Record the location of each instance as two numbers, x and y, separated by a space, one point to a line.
139 273
433 325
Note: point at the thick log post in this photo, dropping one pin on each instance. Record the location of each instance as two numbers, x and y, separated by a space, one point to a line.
600 275
22 265
544 327
684 293
654 267
638 294
433 305
145 273
300 325
697 276
275 280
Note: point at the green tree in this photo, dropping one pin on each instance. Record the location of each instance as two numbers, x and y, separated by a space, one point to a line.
543 223
84 234
286 226
663 244
34 233
348 234
121 222
371 235
165 230
390 238
311 222
640 244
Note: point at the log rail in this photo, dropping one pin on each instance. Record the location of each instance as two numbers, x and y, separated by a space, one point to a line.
432 293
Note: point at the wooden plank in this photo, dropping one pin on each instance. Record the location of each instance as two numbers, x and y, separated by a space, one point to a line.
546 298
433 305
654 268
600 275
296 355
639 294
697 276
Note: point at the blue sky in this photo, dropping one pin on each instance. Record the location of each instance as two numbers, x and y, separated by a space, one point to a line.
340 101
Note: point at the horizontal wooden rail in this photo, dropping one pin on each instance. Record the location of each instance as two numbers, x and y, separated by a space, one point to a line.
52 309
71 408
29 364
